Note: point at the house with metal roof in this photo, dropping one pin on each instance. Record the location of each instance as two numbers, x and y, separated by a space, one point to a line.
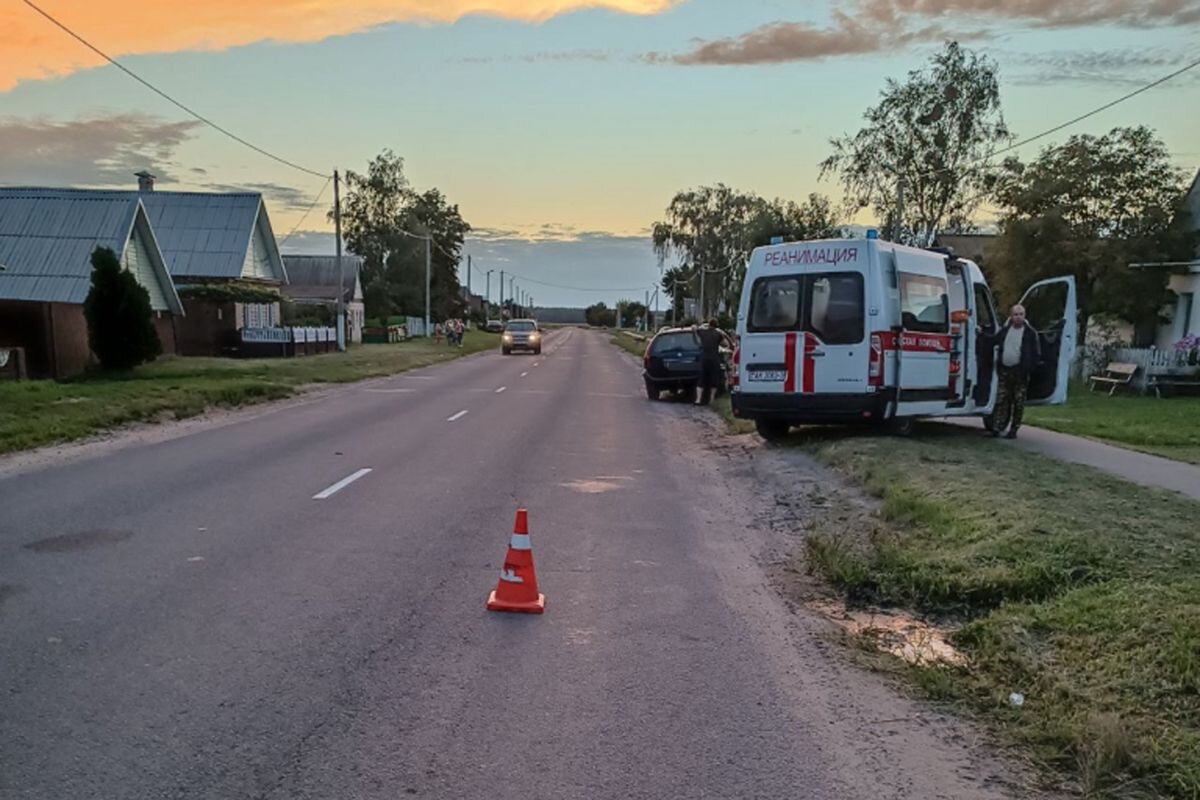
221 253
313 281
47 238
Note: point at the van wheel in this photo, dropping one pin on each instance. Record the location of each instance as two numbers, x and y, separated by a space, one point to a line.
901 426
989 422
651 392
771 429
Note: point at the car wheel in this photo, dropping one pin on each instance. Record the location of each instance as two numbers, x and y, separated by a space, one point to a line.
538 351
771 429
989 422
691 393
651 392
506 351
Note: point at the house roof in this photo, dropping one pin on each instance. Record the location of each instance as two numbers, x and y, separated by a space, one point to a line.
201 234
316 277
47 239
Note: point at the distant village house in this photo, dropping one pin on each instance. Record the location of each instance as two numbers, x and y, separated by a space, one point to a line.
47 237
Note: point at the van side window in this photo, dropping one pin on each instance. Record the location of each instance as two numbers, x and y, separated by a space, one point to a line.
985 308
775 305
924 306
835 307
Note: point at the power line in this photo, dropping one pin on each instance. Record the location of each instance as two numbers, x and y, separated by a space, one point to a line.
1080 118
283 241
168 97
571 288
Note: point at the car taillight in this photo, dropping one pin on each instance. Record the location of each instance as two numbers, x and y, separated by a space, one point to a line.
646 357
875 370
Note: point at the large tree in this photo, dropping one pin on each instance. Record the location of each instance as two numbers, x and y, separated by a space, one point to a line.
711 231
934 134
383 218
1090 208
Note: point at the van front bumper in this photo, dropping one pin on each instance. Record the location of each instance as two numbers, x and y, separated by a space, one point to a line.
800 409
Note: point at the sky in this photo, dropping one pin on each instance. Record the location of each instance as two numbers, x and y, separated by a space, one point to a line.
561 128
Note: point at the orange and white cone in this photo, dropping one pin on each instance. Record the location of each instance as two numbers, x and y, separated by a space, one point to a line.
518 590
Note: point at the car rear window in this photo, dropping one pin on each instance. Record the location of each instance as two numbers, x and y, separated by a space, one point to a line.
675 341
521 327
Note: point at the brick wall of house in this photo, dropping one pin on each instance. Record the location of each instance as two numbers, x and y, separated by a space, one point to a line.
69 339
164 326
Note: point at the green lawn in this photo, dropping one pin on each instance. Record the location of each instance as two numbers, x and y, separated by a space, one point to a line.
1077 589
34 413
1169 427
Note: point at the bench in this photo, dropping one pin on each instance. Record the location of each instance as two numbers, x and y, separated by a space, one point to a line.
1172 382
1116 374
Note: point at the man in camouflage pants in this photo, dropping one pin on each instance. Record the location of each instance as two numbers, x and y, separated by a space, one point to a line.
1018 353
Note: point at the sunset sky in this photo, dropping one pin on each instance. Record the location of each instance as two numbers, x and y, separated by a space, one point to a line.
561 127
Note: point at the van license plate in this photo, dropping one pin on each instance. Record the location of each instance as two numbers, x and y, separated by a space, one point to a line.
767 375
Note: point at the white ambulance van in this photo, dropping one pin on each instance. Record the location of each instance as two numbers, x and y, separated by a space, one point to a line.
862 330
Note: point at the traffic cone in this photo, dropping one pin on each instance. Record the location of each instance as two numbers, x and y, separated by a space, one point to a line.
518 589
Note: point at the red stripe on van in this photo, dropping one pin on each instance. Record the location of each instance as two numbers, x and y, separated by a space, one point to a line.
789 358
810 363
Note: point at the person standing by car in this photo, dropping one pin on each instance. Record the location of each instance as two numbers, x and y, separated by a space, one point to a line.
710 338
1019 352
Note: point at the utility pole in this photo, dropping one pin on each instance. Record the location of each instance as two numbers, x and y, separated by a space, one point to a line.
487 292
501 294
702 271
899 226
428 281
468 279
341 299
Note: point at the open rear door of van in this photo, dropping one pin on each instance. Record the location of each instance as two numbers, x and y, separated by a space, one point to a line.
1052 309
924 345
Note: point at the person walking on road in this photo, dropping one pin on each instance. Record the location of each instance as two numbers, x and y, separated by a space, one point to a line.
710 338
1019 352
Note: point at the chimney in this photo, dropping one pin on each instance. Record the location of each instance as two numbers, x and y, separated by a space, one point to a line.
145 181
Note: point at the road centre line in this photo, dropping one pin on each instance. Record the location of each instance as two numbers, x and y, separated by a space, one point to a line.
390 391
458 416
342 484
501 389
523 374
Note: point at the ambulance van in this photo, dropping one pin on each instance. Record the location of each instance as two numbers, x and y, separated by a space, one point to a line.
862 330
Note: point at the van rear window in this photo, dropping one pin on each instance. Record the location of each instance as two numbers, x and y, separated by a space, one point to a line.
775 304
829 305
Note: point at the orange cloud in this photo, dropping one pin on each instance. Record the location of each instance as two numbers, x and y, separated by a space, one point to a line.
31 48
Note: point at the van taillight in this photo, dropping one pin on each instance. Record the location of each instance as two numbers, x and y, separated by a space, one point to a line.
875 371
736 378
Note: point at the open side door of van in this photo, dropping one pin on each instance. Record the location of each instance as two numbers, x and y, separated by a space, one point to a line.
1052 309
924 344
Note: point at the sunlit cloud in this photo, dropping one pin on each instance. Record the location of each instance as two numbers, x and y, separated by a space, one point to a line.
31 48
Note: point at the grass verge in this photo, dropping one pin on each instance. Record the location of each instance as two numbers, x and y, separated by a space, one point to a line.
35 413
1076 589
1169 428
626 342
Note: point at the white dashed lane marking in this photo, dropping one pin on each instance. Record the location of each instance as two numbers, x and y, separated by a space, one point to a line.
342 484
457 416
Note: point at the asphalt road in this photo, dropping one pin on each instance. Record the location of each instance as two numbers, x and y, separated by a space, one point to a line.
185 620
